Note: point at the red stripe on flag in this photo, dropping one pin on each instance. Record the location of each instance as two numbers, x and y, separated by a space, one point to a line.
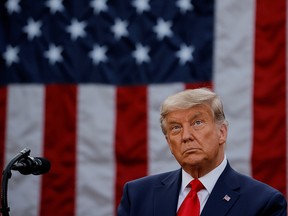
199 85
269 141
131 136
58 187
3 107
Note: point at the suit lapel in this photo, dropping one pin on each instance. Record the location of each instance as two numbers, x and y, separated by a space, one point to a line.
223 195
166 195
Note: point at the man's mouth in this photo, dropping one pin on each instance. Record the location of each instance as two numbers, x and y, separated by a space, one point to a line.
191 150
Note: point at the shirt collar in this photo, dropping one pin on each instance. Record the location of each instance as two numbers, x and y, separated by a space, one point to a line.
209 180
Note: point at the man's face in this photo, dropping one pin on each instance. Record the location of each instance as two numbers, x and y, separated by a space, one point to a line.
194 138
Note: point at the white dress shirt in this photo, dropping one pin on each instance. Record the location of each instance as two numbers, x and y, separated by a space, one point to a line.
209 180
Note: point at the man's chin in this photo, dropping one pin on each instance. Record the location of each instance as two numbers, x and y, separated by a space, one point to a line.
193 160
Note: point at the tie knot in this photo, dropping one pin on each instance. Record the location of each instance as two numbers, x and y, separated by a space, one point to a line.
196 185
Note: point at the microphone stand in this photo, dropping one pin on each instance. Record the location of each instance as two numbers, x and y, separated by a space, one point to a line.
6 175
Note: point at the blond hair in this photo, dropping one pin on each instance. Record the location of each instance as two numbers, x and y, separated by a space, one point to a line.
189 98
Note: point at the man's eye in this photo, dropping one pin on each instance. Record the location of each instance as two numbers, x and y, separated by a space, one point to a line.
175 127
197 123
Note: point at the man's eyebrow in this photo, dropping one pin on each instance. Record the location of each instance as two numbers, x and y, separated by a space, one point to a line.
194 116
172 122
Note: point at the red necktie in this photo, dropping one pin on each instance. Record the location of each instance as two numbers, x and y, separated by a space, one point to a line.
191 204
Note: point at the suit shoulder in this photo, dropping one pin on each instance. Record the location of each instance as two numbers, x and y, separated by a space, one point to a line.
254 185
154 179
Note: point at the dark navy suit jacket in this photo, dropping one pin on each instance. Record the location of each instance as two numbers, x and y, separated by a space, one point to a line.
158 196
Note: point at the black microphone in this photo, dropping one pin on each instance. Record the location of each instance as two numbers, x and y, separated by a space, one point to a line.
32 165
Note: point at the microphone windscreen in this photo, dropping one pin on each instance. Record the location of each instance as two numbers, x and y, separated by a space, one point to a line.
43 166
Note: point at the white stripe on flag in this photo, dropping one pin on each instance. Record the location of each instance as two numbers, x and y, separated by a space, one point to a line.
95 150
24 129
233 75
160 158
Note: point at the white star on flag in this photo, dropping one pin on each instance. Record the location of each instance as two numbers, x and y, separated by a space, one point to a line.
13 6
120 28
141 54
76 29
163 29
54 54
184 5
98 54
55 5
141 5
99 5
11 55
32 29
185 54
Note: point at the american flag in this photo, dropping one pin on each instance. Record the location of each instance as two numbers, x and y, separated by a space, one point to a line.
81 83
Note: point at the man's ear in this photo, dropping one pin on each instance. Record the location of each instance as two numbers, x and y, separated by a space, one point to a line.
223 134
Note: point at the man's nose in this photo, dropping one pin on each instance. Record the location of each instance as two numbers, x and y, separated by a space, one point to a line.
187 133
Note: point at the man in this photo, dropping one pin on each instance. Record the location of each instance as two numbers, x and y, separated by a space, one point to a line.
195 128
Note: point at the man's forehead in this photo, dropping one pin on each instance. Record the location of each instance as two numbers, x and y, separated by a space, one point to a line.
193 112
